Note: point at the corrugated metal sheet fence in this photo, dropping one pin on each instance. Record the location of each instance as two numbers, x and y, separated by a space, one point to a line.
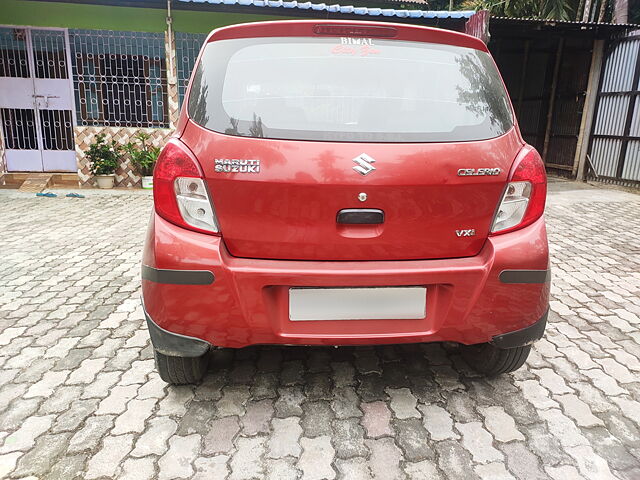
614 151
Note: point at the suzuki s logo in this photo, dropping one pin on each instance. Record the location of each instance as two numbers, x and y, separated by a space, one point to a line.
364 162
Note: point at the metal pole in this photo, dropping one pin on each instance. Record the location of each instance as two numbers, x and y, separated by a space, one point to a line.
170 42
587 11
620 11
552 99
603 10
588 110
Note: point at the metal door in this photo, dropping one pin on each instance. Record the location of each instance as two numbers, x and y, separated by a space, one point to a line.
614 151
36 100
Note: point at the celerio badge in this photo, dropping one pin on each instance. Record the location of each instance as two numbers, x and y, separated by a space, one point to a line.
236 165
365 164
472 172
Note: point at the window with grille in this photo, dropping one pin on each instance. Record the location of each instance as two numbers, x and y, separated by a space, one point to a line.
187 49
120 78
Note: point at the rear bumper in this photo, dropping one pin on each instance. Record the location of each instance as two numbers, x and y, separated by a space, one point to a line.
192 287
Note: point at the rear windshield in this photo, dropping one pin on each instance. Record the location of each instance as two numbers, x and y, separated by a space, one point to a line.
348 89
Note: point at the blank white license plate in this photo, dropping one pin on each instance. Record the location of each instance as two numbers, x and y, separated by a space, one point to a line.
372 303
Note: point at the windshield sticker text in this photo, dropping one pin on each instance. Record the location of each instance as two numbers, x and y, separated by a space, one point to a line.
356 41
362 51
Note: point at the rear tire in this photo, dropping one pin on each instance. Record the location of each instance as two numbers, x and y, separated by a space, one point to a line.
181 370
491 360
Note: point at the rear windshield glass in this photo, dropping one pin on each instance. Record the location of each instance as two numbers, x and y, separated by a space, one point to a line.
348 89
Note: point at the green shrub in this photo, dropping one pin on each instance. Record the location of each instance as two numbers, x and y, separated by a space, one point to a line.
143 156
104 157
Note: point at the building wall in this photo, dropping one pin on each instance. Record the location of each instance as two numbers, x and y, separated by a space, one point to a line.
126 175
103 17
98 17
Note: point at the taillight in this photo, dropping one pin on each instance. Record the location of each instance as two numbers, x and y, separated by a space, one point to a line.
524 198
179 191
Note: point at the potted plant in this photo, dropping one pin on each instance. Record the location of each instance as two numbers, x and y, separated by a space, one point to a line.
143 157
104 158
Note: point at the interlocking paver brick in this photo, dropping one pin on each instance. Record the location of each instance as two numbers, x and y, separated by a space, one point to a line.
422 470
46 386
175 403
500 424
88 437
154 440
438 422
177 462
69 466
246 462
117 400
79 395
133 419
257 417
345 403
590 464
552 381
354 468
232 401
403 403
24 438
13 417
348 438
8 463
196 418
283 441
138 469
385 459
40 459
74 416
522 462
106 462
578 410
316 420
221 434
455 460
316 458
493 471
376 419
412 438
565 472
212 468
478 442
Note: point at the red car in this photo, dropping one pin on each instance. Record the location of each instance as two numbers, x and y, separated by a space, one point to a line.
345 183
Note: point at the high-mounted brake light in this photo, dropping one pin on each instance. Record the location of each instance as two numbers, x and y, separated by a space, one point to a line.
355 31
179 191
524 198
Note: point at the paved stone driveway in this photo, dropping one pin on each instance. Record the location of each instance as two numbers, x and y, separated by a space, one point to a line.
79 396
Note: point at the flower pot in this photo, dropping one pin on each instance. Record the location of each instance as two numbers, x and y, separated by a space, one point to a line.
147 182
106 181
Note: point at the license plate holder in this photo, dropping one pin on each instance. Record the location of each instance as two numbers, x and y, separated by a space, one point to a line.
357 303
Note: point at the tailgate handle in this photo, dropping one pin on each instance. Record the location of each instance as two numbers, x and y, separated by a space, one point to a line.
361 216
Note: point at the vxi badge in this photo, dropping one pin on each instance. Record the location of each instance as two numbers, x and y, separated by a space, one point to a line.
472 172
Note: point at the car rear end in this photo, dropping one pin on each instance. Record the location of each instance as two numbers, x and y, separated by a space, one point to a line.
341 183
